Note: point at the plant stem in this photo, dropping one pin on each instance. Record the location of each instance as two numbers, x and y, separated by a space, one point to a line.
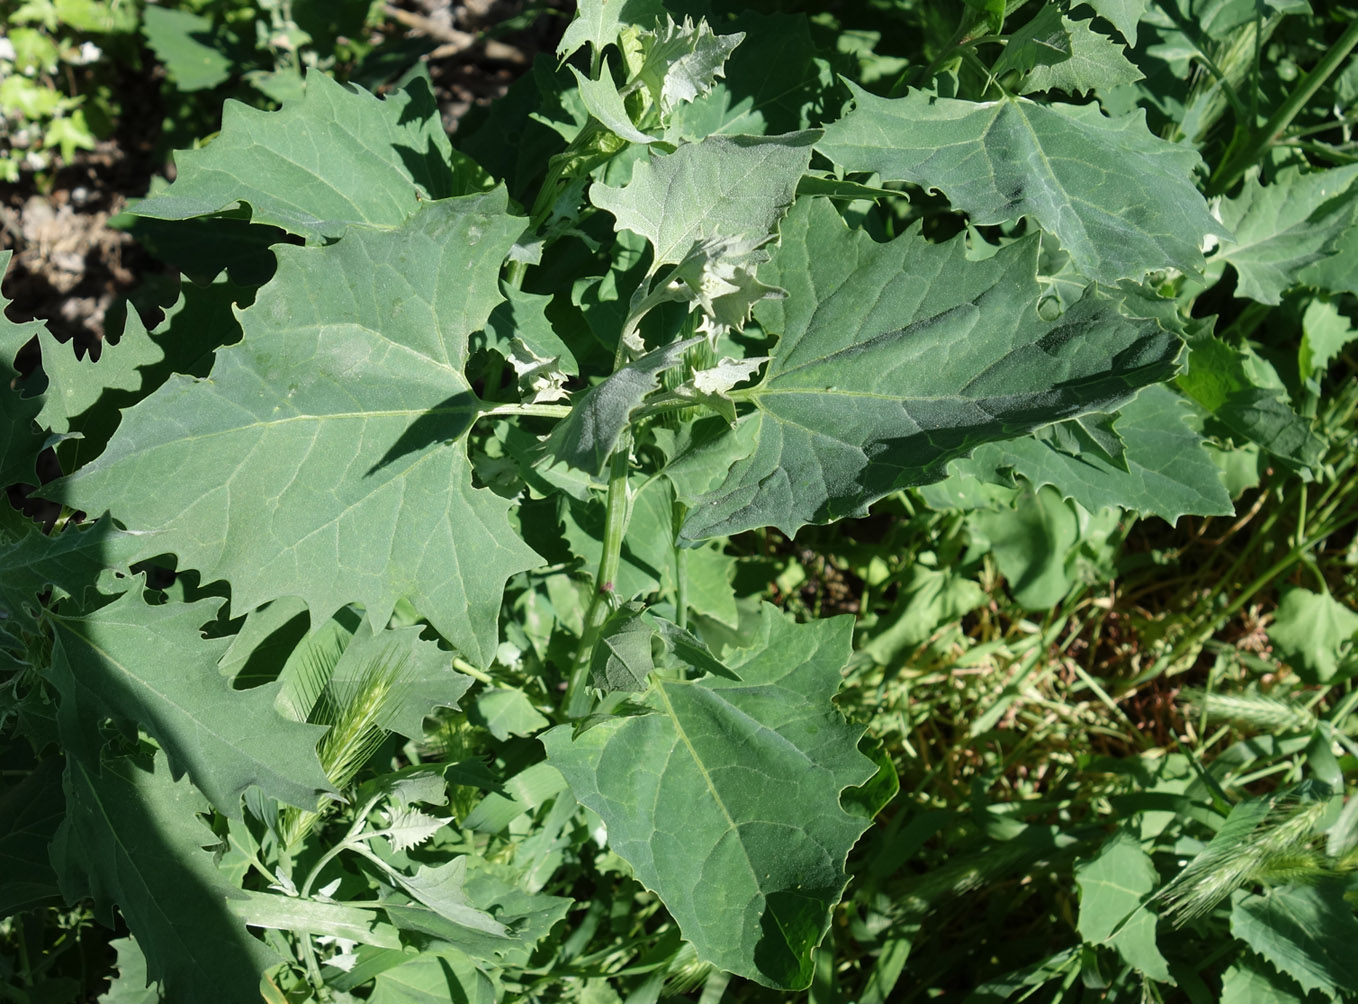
349 842
463 666
616 514
544 410
1229 172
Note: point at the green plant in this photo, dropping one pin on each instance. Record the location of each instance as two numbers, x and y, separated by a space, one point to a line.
477 492
43 109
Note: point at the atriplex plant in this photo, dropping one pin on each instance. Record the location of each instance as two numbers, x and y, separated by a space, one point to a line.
490 424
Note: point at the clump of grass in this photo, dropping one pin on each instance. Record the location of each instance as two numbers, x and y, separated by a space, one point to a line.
1258 712
1261 842
353 710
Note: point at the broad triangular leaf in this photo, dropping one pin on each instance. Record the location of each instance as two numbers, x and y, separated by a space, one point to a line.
1044 40
339 156
323 447
1282 228
732 187
1120 200
733 786
896 358
1095 63
151 666
1113 888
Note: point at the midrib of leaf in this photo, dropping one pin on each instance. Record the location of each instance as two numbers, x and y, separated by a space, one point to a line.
733 709
697 761
707 779
1048 171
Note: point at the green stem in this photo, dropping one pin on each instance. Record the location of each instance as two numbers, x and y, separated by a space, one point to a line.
544 410
313 966
463 666
1233 168
347 843
615 526
643 303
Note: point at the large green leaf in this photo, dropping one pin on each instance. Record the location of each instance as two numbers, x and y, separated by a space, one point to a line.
1120 200
1167 471
339 156
1095 63
151 666
1282 228
1112 889
1307 932
896 358
321 459
725 798
133 837
728 187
